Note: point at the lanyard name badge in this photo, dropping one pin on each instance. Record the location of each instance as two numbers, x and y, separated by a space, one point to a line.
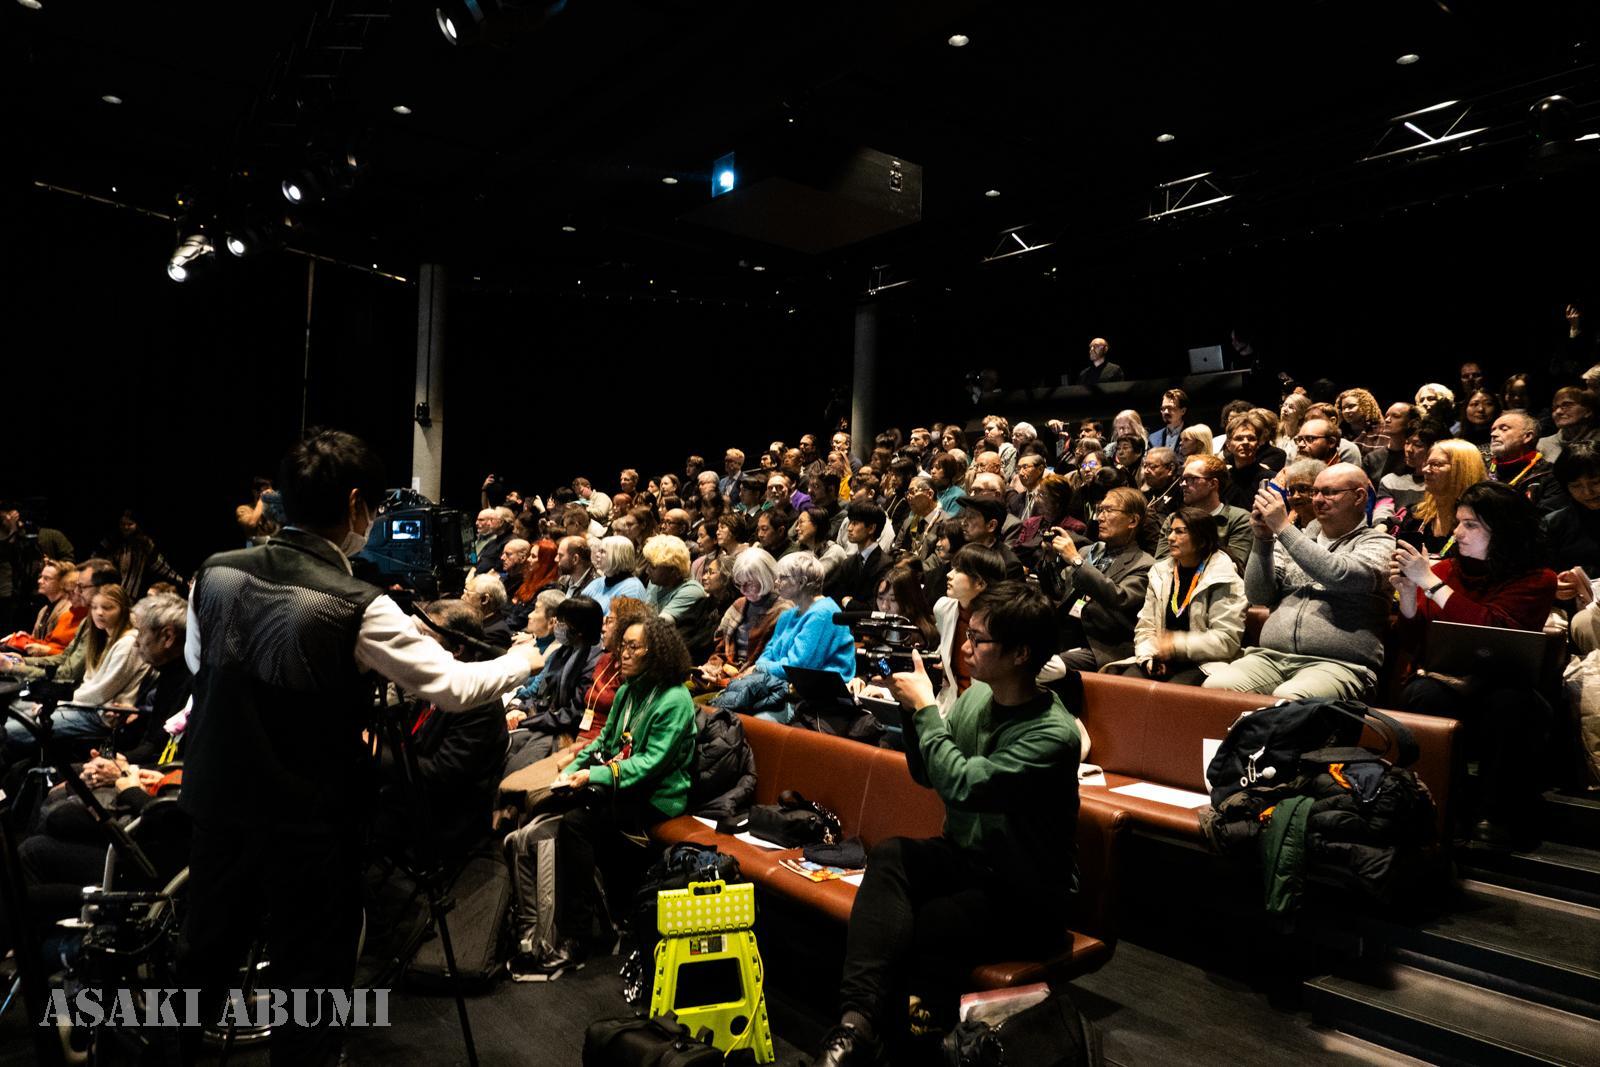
1194 586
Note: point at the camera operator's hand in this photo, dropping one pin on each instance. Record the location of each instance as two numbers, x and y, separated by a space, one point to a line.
913 688
531 656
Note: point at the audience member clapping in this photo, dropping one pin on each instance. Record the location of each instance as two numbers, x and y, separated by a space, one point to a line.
1496 578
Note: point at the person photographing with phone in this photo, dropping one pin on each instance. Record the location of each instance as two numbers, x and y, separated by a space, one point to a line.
1001 877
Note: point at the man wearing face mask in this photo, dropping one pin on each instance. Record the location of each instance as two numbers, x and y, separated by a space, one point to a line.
277 779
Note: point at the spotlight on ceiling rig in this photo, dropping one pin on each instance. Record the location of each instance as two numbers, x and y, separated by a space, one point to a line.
494 22
187 257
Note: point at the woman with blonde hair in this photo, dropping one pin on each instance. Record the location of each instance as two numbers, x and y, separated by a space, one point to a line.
1196 440
112 666
1363 419
1452 466
1290 416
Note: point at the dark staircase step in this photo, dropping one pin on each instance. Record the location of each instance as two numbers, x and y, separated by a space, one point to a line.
1446 1021
1530 946
1553 869
1571 818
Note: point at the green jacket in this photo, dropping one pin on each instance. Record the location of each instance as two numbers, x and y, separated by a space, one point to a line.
657 771
1009 781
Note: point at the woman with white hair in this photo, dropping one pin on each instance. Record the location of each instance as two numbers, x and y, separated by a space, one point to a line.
806 635
1129 424
613 559
747 625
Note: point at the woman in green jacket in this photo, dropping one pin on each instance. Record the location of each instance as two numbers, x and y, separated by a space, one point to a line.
635 774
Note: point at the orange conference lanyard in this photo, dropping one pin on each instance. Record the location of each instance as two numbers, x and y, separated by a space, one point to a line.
1194 585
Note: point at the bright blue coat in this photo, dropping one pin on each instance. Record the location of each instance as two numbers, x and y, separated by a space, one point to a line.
811 640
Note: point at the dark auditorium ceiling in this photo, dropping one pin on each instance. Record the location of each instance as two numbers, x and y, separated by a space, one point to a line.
576 122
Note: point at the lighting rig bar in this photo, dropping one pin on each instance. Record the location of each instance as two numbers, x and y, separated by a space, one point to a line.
1453 111
1173 197
1014 242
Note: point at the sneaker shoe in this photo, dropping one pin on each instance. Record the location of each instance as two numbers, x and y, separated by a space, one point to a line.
544 966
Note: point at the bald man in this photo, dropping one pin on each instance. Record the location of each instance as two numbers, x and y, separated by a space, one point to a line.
513 560
1327 586
1100 368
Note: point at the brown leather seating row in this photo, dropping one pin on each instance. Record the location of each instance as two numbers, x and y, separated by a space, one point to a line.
875 798
1144 731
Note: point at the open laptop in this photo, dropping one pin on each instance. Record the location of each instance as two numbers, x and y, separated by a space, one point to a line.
1462 650
1207 360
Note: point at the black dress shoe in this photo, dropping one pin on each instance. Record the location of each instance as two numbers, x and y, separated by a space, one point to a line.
845 1046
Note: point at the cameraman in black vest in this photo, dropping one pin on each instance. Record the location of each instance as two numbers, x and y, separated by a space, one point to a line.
277 778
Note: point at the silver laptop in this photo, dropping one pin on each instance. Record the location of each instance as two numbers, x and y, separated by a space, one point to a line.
1206 360
1463 650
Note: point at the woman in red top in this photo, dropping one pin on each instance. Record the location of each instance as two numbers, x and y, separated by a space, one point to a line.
1497 578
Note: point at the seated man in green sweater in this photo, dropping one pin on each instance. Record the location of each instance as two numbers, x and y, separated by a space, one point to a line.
639 768
997 883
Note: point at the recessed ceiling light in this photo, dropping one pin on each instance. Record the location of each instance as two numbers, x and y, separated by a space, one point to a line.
569 229
669 180
758 267
1166 138
991 193
958 40
401 109
31 5
112 98
1408 59
1590 137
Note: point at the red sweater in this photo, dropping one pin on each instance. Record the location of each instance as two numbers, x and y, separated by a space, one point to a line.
1522 603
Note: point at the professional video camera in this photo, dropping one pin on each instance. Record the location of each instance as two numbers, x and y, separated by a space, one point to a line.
418 544
884 643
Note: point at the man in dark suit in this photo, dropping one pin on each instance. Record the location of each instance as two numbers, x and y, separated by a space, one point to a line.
855 584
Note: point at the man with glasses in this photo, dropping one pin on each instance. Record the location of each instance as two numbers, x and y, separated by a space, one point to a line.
920 528
1174 409
1158 476
1202 483
1327 586
66 669
1000 878
1030 472
1100 589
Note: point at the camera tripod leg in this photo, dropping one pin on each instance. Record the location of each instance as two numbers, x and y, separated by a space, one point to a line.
251 960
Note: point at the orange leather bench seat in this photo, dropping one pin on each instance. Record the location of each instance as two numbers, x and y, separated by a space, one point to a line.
875 798
1144 731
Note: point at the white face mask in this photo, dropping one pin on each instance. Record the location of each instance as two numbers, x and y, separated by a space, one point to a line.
354 542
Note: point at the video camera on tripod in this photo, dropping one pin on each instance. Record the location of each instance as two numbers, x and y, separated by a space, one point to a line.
418 544
885 641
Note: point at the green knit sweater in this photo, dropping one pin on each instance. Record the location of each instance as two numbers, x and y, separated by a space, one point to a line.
660 725
1008 777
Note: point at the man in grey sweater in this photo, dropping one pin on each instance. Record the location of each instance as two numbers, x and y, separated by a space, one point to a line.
1327 590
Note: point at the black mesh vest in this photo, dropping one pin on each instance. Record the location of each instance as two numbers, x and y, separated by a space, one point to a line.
279 702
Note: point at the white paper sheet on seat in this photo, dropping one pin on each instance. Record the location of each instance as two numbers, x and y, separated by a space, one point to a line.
1161 794
747 838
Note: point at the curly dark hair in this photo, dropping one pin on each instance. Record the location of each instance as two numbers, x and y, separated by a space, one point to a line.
666 663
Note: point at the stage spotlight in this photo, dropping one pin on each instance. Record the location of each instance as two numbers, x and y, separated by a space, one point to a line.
301 187
187 256
496 22
725 180
237 245
447 26
1553 121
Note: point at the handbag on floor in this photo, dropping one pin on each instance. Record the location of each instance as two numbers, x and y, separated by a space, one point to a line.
1053 1033
633 1041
